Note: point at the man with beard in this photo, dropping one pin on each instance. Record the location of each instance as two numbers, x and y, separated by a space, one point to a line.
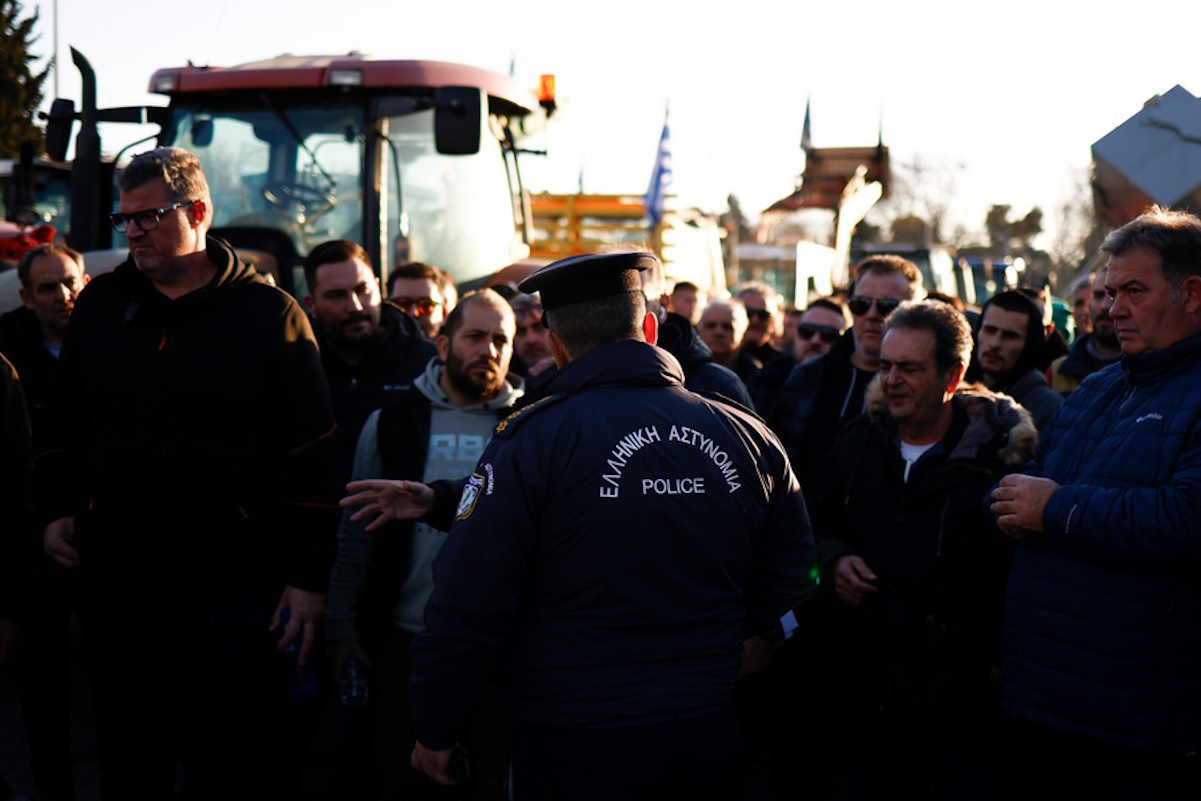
436 430
370 350
1009 347
1090 352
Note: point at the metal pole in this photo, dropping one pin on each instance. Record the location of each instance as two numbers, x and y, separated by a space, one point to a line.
55 57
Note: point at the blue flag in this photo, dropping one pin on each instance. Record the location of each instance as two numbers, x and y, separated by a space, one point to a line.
656 194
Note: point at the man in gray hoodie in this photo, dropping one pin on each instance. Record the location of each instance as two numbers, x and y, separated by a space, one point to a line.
436 430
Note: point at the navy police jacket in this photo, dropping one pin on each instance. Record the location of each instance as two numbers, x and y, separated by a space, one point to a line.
617 543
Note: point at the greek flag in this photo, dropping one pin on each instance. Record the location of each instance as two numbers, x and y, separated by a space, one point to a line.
656 193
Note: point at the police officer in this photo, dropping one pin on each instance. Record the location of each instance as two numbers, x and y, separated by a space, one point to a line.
619 548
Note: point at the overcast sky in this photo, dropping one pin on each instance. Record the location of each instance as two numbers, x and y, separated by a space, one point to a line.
1000 101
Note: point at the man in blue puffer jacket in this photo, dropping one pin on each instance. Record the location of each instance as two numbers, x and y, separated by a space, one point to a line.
1103 614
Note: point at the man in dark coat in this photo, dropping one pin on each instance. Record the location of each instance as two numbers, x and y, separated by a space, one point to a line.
618 546
1009 349
18 540
370 350
51 277
1102 643
185 463
905 543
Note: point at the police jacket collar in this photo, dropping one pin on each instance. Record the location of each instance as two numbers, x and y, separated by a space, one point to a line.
627 363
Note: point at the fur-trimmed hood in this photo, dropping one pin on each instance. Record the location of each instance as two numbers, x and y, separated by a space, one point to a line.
990 414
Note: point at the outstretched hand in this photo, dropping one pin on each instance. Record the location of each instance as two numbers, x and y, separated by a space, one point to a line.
383 500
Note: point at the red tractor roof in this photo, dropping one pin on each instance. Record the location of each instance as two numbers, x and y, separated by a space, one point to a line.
314 72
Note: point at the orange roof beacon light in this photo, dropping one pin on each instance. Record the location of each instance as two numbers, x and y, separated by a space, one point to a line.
546 93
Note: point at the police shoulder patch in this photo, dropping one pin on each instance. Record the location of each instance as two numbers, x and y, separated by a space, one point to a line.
471 494
506 427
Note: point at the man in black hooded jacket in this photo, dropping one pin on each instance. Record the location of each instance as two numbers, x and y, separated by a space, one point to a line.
184 462
371 351
1009 349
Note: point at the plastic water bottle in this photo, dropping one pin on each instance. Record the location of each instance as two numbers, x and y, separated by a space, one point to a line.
302 679
354 691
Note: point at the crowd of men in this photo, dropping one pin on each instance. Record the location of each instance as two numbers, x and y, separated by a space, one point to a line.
593 537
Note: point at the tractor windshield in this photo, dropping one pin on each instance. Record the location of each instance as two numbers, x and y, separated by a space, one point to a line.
315 171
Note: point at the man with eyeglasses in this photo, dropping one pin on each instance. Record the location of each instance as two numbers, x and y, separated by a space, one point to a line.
186 465
906 546
818 399
424 292
371 351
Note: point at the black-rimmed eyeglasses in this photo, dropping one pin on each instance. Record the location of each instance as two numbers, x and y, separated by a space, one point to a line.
147 220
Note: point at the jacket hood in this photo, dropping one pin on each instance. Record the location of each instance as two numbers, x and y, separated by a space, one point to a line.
627 363
232 273
989 415
679 338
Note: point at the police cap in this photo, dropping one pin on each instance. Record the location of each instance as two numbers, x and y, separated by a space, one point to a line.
593 275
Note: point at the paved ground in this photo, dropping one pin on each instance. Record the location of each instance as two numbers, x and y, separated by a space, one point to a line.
317 780
14 752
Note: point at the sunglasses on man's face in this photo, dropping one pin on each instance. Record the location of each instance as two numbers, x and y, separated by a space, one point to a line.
757 314
862 304
827 333
422 307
